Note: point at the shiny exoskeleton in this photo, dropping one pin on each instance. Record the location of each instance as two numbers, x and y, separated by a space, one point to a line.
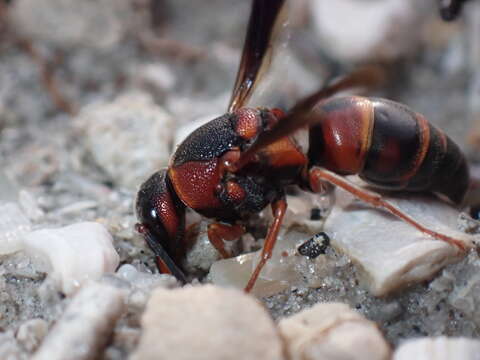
238 164
389 146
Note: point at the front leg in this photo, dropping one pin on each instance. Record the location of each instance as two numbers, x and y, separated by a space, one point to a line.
164 262
218 233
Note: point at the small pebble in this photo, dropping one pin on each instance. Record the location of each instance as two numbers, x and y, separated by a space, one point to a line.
207 322
139 133
438 348
332 331
381 29
73 254
31 333
315 246
86 325
391 253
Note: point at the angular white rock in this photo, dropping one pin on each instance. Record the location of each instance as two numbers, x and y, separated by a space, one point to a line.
86 325
138 134
391 253
332 331
355 30
438 348
73 254
207 323
13 226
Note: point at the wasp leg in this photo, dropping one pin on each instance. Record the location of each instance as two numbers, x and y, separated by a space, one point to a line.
317 175
279 208
218 233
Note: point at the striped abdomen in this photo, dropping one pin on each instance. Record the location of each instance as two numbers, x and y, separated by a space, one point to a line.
388 145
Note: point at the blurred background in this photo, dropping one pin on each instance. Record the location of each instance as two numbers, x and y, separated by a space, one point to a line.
69 69
95 94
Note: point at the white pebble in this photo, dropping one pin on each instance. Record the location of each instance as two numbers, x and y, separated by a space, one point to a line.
391 253
138 134
354 30
332 331
31 333
207 323
438 348
73 254
86 325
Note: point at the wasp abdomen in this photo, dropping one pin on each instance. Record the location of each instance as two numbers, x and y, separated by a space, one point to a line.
388 145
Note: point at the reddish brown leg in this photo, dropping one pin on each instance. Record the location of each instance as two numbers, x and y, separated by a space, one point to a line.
218 233
278 208
317 176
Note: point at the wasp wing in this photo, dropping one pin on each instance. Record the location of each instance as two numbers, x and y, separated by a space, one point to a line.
266 19
298 117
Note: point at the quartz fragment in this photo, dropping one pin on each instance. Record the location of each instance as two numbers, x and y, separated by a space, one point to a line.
285 268
438 348
73 254
391 253
206 323
332 331
85 327
138 132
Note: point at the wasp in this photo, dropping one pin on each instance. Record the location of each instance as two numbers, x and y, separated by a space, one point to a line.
241 162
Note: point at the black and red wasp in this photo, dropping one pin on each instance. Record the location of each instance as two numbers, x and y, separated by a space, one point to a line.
241 162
